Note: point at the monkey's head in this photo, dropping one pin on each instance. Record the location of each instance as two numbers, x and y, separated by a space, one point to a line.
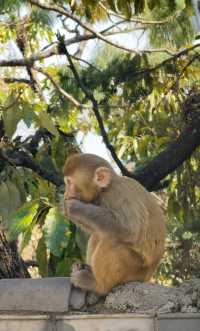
85 176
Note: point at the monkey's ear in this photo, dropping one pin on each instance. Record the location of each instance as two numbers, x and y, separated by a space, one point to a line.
102 177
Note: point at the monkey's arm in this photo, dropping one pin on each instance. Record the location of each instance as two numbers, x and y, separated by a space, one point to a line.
89 215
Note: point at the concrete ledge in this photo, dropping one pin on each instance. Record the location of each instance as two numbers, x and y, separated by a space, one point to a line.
49 304
36 295
100 322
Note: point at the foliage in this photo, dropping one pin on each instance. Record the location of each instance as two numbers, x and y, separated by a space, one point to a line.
140 100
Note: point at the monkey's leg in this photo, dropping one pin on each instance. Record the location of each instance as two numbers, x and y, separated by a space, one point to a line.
82 275
114 263
91 246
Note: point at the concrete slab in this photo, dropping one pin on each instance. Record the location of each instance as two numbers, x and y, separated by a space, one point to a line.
77 299
100 322
121 322
25 323
35 295
179 322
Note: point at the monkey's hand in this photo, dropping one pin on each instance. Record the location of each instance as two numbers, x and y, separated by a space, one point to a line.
73 208
77 266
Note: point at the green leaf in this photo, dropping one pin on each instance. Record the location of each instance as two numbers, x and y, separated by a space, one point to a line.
88 13
4 202
7 5
43 17
152 3
47 122
187 235
23 219
41 257
26 236
55 228
28 115
124 7
139 6
180 4
15 197
38 218
111 3
10 200
63 268
11 117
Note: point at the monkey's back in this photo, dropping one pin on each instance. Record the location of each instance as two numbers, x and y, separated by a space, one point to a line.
139 216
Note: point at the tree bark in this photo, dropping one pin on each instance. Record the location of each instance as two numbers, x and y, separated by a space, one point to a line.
177 151
11 265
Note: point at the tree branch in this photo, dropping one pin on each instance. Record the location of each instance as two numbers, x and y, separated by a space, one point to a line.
177 151
22 159
29 61
8 80
183 52
154 171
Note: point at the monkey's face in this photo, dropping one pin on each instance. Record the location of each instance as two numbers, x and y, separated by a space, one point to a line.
85 177
81 186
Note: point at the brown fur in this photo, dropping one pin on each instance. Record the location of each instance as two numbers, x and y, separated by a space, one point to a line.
125 222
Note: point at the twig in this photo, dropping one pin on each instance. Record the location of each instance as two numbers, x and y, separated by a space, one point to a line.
86 62
114 25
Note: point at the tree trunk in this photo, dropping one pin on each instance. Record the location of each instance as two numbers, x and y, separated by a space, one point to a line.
11 265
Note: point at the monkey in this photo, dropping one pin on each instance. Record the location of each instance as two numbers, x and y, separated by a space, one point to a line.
125 224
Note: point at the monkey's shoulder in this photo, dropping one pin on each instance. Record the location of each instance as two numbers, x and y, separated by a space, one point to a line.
129 200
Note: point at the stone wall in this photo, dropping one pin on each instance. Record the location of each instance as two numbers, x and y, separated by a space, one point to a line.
51 304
